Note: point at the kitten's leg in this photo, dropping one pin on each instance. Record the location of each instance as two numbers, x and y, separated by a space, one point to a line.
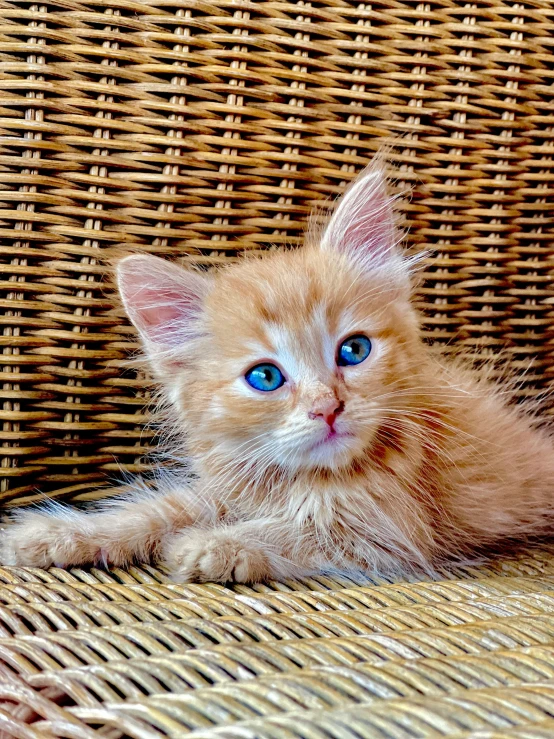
244 552
127 529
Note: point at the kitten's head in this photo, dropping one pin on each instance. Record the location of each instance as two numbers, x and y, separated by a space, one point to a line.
293 359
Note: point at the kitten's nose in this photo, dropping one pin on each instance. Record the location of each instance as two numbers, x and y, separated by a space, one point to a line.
328 409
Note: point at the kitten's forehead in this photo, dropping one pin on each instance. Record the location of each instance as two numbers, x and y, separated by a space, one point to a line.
291 307
288 287
306 345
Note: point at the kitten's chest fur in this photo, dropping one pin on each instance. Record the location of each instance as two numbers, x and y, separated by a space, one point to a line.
369 516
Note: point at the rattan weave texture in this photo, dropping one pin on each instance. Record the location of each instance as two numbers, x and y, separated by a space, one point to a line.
129 654
192 129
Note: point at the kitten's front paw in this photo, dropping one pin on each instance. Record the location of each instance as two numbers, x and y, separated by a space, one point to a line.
202 556
39 540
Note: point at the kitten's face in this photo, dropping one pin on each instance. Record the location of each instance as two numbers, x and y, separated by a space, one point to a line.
325 345
294 359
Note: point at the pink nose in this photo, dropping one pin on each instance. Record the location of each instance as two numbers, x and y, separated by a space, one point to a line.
328 409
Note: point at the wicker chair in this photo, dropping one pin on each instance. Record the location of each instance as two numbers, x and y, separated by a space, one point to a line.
195 129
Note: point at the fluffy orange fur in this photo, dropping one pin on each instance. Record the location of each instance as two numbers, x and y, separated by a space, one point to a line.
427 462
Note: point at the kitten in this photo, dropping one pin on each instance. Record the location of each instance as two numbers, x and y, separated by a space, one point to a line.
322 432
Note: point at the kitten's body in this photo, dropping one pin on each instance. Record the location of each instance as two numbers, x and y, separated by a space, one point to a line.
423 462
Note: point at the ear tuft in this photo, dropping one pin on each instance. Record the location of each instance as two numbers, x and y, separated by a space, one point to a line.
163 301
364 223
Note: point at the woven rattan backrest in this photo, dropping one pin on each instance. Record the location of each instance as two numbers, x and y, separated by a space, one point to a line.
193 129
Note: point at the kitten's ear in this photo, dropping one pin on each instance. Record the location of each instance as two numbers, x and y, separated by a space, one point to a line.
363 224
163 301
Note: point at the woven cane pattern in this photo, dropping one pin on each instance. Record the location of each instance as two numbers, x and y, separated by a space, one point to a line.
194 130
129 654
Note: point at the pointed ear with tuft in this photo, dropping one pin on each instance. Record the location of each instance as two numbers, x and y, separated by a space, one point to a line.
163 301
363 225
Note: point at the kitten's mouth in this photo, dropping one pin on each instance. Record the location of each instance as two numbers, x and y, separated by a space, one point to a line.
333 450
332 437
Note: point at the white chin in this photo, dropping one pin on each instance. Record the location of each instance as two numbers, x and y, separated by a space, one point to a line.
332 454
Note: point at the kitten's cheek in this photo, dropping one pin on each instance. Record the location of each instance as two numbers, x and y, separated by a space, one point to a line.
216 409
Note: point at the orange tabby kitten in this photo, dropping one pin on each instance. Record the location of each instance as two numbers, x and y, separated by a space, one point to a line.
321 431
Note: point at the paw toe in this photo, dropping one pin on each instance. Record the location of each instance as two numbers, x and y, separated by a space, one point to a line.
215 559
250 566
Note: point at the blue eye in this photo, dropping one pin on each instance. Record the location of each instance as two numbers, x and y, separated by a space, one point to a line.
265 377
354 350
